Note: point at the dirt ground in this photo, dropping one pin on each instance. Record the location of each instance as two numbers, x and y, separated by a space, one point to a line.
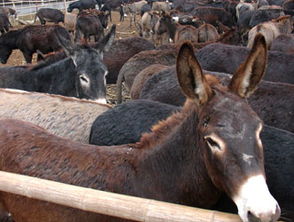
123 30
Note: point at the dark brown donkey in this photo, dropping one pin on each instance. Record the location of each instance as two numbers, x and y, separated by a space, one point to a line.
209 147
30 39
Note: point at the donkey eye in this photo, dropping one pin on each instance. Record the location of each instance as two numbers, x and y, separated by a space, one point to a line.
206 121
84 78
212 143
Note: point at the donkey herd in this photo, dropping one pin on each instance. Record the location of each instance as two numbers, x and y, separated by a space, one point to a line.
210 122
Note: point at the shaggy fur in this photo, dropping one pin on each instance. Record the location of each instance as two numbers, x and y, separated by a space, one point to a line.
140 61
63 116
107 128
272 101
226 58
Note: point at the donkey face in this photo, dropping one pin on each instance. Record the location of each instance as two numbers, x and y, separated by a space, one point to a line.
229 131
91 74
103 17
162 24
90 69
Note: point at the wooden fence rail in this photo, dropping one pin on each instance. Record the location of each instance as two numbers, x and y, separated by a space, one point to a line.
118 205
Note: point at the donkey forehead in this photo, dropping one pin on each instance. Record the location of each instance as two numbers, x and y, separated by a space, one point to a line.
89 58
231 114
86 52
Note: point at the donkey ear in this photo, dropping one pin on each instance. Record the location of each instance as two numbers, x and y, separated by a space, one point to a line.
250 73
67 44
106 42
191 79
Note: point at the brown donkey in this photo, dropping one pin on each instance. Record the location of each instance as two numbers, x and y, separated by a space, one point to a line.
211 146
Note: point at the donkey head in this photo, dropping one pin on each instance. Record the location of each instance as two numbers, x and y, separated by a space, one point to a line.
90 70
103 17
7 44
163 23
5 52
229 131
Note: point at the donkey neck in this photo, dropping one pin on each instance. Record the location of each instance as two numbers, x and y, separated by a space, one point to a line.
56 78
173 166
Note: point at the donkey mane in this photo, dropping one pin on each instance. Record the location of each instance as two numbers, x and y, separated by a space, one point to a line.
281 18
162 129
93 12
45 63
54 57
50 58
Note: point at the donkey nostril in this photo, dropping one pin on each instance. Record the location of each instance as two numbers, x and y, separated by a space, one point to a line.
252 218
264 217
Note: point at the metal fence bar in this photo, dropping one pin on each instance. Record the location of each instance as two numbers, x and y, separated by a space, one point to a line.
28 2
31 7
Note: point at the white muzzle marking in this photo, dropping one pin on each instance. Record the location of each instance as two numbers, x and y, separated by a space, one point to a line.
254 197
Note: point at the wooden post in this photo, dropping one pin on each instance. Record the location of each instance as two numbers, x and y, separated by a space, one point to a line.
118 205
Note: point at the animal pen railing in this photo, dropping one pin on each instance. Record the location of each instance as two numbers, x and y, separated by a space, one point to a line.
27 9
118 205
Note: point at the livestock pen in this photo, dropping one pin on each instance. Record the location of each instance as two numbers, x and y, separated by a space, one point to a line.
105 203
31 6
26 10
